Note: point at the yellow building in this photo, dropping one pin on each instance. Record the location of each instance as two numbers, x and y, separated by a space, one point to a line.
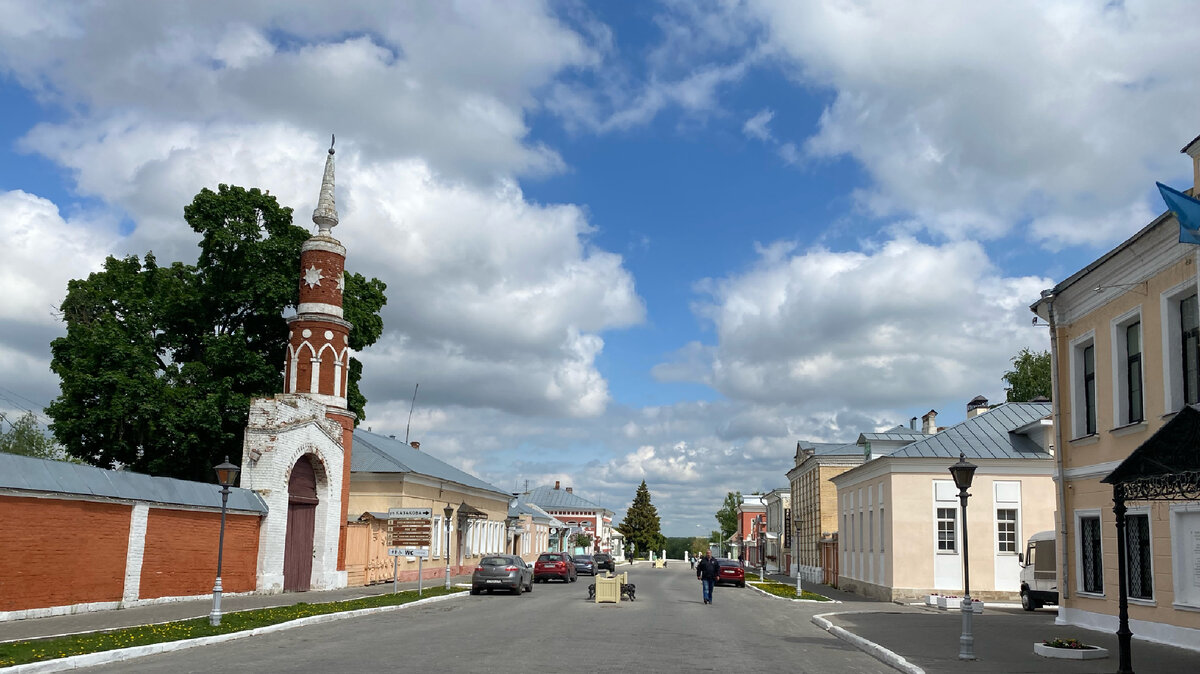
814 500
387 473
1125 343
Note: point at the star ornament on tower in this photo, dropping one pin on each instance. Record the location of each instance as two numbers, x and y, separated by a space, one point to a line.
312 276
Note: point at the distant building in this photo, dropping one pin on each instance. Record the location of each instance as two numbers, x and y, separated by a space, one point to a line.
814 511
577 514
778 533
745 545
900 534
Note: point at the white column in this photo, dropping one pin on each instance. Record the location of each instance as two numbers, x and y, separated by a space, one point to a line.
134 552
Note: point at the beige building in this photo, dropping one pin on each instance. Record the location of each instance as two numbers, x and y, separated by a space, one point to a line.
814 500
778 534
387 473
1125 337
900 534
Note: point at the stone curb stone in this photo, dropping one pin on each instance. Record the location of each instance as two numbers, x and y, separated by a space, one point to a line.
871 648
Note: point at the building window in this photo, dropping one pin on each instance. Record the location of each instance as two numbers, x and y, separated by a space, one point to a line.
436 548
1133 372
1138 559
1189 326
871 531
947 518
1091 557
881 529
1089 389
1083 386
1006 530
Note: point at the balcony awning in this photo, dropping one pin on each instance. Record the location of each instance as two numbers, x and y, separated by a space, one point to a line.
468 512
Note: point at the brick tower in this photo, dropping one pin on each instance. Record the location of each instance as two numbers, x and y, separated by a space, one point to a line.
298 444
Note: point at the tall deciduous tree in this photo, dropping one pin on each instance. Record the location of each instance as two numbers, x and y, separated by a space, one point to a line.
641 526
727 516
26 438
1029 378
159 364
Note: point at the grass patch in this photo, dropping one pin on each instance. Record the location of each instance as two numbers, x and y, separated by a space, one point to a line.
787 591
23 652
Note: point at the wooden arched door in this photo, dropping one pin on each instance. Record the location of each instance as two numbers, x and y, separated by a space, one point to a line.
301 523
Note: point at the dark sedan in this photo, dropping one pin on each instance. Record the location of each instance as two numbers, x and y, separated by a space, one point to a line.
604 561
502 572
585 564
731 572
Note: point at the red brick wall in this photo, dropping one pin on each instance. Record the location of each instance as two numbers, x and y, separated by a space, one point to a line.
56 552
180 558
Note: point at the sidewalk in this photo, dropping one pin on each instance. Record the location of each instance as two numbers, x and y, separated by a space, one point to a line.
1004 637
97 621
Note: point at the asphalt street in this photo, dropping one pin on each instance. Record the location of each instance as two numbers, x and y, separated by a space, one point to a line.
668 629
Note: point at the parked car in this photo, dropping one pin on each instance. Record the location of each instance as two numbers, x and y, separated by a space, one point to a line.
604 561
1039 584
731 572
558 565
585 564
502 572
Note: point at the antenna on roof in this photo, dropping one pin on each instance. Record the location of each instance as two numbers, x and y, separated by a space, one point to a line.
410 411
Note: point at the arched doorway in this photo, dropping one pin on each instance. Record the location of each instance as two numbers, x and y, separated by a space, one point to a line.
301 523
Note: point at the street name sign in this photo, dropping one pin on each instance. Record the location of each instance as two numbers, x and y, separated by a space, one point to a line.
410 513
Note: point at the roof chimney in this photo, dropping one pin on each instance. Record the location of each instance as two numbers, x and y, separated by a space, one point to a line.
912 423
570 490
1192 150
977 406
929 422
556 484
415 445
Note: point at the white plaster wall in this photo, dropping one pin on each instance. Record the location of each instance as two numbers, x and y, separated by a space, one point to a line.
280 431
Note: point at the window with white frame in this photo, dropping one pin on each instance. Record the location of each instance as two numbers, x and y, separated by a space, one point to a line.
435 549
1083 386
1091 553
881 526
1138 558
1006 495
1180 344
947 534
871 530
1128 397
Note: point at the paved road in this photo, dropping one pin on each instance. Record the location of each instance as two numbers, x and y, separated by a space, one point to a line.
667 629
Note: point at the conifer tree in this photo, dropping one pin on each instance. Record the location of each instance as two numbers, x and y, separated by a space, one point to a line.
641 526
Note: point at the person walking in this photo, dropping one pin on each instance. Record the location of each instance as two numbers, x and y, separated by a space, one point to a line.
707 570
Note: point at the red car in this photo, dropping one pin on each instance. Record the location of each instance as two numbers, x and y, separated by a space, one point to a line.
558 565
731 572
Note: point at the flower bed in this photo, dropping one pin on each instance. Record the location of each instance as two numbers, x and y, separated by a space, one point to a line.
787 591
1069 649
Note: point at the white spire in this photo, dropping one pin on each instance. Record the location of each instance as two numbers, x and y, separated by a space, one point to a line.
325 216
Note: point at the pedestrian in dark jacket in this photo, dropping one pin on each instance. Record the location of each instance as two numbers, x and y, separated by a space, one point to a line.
707 571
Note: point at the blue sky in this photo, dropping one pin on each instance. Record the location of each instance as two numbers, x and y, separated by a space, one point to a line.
622 241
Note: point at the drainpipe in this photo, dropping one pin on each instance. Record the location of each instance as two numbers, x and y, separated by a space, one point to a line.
1055 402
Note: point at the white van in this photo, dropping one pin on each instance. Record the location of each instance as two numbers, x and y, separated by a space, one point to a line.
1039 584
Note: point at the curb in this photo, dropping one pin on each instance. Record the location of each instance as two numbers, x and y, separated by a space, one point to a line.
802 601
122 654
871 648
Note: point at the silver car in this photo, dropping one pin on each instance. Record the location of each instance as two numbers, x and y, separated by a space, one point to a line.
502 572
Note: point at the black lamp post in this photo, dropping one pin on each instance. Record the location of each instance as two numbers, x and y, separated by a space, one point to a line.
448 511
964 473
226 475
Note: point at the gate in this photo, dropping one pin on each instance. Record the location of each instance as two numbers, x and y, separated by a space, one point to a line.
301 524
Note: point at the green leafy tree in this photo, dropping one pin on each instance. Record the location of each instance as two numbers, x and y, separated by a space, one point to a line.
727 516
159 364
641 526
26 438
582 541
1029 378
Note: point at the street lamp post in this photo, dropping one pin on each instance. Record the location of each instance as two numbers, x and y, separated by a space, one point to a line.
448 511
964 473
226 475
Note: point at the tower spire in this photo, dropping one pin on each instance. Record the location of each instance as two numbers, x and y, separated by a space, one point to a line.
325 216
